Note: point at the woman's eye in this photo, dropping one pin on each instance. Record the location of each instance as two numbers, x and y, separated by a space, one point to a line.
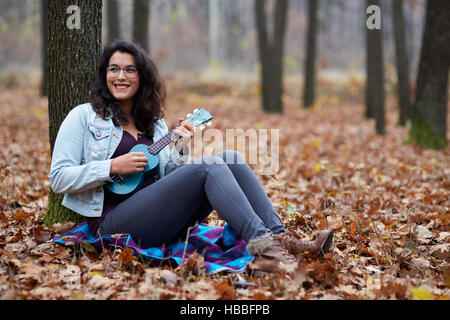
113 69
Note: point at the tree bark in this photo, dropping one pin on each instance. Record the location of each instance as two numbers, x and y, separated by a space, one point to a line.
73 56
271 52
375 76
264 52
44 46
113 20
402 60
429 112
310 62
141 16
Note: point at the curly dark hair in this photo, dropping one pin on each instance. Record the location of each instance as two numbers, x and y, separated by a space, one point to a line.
149 101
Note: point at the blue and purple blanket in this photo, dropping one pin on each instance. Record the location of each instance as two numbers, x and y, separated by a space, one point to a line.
222 248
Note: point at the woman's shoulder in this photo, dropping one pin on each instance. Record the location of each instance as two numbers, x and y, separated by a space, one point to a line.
80 115
82 110
161 123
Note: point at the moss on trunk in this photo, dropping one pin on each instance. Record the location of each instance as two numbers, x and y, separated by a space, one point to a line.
424 136
58 213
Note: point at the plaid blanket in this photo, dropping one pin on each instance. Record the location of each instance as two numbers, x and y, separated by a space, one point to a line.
222 248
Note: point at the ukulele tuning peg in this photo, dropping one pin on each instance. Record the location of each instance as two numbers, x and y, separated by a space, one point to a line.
188 115
195 110
202 127
209 123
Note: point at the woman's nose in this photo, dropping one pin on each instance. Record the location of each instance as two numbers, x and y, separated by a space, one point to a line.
121 74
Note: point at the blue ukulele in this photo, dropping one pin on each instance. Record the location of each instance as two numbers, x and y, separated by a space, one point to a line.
129 183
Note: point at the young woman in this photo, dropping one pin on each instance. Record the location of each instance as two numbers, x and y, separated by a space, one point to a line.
125 109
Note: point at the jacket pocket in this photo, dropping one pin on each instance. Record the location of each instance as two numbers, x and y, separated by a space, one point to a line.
98 142
86 197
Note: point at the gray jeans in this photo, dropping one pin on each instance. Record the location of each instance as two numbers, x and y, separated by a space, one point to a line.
163 211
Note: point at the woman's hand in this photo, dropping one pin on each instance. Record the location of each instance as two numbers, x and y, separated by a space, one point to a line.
128 163
185 132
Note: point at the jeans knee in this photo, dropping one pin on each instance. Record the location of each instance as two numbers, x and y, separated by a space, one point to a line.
205 163
231 157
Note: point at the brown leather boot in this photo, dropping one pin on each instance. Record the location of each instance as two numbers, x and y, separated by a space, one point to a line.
270 255
320 245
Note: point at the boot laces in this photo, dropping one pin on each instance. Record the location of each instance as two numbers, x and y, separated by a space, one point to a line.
288 239
285 253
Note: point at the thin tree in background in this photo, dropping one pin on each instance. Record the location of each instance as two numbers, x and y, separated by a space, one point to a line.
429 112
213 32
271 50
112 19
44 46
233 36
310 62
402 60
141 22
375 75
73 58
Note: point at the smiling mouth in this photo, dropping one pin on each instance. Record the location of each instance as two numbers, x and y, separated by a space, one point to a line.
121 86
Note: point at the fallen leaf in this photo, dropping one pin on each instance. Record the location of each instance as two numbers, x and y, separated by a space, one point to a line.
225 290
100 282
421 293
169 277
63 227
42 235
127 256
441 251
21 215
423 234
194 265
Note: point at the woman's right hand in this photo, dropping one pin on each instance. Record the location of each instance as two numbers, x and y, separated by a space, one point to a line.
128 163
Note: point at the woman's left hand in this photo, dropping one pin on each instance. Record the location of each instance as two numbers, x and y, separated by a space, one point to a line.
185 131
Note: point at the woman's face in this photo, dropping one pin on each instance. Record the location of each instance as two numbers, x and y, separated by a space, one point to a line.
122 77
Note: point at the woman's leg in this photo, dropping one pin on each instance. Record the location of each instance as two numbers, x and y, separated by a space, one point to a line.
196 218
155 214
252 189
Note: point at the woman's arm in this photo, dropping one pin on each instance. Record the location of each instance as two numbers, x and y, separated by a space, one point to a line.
67 174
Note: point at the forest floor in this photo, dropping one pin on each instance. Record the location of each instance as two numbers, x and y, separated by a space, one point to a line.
388 204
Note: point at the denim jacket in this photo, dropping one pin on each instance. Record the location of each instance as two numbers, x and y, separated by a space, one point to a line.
81 159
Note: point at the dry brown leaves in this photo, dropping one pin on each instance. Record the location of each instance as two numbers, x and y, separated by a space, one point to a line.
387 203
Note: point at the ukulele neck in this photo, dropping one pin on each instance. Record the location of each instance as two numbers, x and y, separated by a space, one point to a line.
162 143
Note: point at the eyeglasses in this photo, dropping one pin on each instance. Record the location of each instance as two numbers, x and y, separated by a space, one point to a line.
129 71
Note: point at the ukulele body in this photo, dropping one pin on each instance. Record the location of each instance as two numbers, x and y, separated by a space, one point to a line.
134 180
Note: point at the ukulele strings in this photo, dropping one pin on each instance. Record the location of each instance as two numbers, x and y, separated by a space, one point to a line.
161 143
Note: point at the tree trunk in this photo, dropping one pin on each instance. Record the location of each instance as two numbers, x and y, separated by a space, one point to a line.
278 54
402 59
375 75
233 48
310 62
264 52
73 58
213 32
113 20
141 20
429 113
44 46
271 53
